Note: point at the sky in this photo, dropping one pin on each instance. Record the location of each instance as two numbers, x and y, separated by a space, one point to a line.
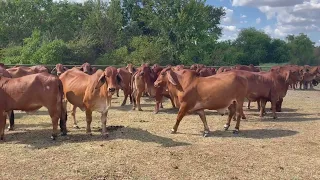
278 18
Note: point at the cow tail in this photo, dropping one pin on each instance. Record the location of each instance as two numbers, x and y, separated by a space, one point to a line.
63 115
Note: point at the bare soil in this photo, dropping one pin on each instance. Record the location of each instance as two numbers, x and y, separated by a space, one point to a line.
140 145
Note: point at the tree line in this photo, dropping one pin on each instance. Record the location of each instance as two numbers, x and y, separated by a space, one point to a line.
136 31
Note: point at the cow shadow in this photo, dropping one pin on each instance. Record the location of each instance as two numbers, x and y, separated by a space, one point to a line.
128 107
40 138
176 110
255 133
20 114
289 118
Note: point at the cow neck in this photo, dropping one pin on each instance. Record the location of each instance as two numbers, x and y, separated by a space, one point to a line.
184 80
150 84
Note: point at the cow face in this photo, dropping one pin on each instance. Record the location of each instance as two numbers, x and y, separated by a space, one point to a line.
166 76
86 68
112 78
293 76
60 69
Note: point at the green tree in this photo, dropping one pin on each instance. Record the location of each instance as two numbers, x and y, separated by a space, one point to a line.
254 44
301 49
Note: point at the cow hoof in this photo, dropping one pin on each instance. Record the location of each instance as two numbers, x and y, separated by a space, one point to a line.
122 104
226 127
89 133
10 129
205 133
173 131
139 109
105 134
76 127
63 133
275 117
54 137
155 112
236 131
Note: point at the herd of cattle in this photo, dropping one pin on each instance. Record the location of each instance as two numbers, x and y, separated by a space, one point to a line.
191 90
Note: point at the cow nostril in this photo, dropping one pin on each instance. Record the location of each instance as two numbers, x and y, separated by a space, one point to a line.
112 89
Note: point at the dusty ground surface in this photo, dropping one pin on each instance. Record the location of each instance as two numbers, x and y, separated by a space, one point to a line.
285 148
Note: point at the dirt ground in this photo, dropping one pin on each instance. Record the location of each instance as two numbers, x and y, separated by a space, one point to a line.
285 148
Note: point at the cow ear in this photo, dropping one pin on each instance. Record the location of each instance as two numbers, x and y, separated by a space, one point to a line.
101 81
119 78
170 78
288 76
65 68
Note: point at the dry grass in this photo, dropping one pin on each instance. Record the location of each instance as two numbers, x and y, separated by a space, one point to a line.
286 148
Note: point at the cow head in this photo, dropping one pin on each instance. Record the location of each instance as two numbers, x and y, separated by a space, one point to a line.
293 76
166 76
131 68
86 68
60 69
111 77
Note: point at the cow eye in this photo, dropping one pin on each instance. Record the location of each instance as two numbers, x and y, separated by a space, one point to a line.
163 74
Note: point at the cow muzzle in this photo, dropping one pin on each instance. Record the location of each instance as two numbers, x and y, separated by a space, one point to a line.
59 73
112 89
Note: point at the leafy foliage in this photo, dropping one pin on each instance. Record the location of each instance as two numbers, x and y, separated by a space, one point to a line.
136 31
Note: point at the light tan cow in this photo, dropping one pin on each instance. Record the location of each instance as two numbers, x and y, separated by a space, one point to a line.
90 92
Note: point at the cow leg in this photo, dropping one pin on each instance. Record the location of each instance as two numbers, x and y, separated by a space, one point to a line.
104 116
3 119
89 120
138 100
262 106
231 115
311 86
259 104
73 114
130 97
182 112
249 102
134 100
11 124
273 105
300 83
117 92
279 104
172 102
239 112
125 92
63 118
157 107
206 130
55 121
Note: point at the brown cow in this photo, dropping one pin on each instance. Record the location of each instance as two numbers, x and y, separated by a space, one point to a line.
194 94
177 67
267 86
292 68
223 69
23 71
59 68
197 67
125 76
90 92
30 93
206 71
309 74
131 68
5 73
250 68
